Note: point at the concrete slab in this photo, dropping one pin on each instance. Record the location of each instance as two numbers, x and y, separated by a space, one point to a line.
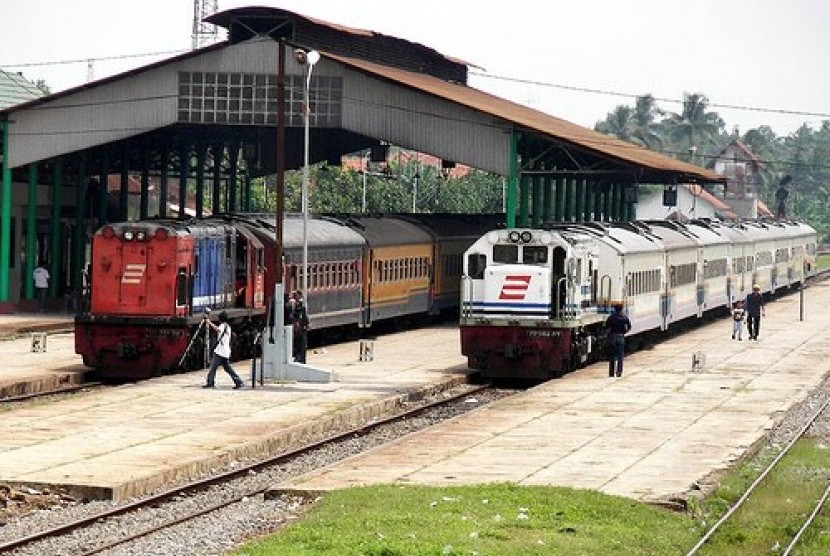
649 435
125 441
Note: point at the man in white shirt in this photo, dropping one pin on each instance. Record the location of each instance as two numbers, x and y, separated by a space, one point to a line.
222 352
41 278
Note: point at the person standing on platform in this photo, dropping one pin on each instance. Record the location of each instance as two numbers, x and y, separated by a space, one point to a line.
222 352
299 320
754 311
617 326
738 314
41 277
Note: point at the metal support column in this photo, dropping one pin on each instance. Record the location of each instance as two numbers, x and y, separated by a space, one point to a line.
248 185
590 203
201 154
524 200
548 198
163 181
5 218
103 193
31 233
79 245
537 207
569 199
579 203
144 202
56 248
513 179
124 190
559 208
184 154
218 152
233 156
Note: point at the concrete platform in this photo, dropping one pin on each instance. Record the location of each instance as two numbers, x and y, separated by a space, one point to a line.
125 441
649 435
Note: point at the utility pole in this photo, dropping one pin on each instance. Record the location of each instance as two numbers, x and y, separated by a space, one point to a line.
204 34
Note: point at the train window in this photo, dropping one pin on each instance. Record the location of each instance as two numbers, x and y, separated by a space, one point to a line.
505 253
532 254
476 263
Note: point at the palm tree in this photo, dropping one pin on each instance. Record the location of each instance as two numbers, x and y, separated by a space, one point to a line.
694 128
618 123
646 130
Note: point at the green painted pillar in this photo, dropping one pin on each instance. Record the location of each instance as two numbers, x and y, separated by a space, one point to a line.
580 201
5 219
618 202
513 179
218 153
233 155
524 201
569 200
184 167
31 234
248 186
589 201
57 229
201 153
537 200
547 192
163 181
559 208
79 244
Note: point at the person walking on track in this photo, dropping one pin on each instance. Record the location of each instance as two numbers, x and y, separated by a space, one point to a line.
618 326
222 352
754 311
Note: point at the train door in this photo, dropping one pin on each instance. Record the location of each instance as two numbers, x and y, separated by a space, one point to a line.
558 282
249 285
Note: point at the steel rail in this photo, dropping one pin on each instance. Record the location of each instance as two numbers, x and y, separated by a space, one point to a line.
202 484
708 535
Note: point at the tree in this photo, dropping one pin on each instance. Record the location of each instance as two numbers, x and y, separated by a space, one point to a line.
619 123
646 130
695 128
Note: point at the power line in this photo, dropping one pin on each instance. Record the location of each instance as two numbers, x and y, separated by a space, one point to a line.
661 99
87 60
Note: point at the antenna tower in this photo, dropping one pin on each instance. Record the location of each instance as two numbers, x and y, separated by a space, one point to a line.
204 33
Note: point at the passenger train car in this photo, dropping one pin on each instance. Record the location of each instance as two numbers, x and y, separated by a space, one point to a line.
152 281
534 301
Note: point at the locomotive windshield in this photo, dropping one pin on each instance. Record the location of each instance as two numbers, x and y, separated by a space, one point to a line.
506 254
533 254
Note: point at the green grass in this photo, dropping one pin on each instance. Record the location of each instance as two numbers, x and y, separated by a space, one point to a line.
823 261
504 519
496 519
773 514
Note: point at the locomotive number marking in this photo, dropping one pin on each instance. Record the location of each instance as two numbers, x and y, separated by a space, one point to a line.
515 287
133 273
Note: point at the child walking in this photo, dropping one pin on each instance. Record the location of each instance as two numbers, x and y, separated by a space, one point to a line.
738 315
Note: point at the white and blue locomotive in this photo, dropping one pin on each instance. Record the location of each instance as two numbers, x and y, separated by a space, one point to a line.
534 301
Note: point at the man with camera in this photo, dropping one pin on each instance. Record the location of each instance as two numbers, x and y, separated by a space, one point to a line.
222 351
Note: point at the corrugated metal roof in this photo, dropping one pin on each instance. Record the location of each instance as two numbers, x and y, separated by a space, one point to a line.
534 120
16 89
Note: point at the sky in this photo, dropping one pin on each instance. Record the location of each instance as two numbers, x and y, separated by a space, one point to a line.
576 60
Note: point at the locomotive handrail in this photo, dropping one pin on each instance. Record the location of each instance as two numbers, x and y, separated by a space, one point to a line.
465 305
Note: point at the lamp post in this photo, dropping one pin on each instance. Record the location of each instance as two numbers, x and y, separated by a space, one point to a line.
311 58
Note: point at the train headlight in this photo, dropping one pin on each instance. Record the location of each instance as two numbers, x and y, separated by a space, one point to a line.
128 235
514 236
546 239
526 236
161 233
493 237
139 236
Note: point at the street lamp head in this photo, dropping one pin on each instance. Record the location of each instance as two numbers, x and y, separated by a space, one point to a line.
303 57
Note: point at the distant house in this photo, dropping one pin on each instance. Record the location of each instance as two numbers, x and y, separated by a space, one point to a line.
693 201
742 170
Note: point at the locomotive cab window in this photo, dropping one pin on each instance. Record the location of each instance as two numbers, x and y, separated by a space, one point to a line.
476 263
532 254
182 287
505 254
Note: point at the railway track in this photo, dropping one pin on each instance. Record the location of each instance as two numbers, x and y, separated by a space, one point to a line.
718 526
46 393
127 524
